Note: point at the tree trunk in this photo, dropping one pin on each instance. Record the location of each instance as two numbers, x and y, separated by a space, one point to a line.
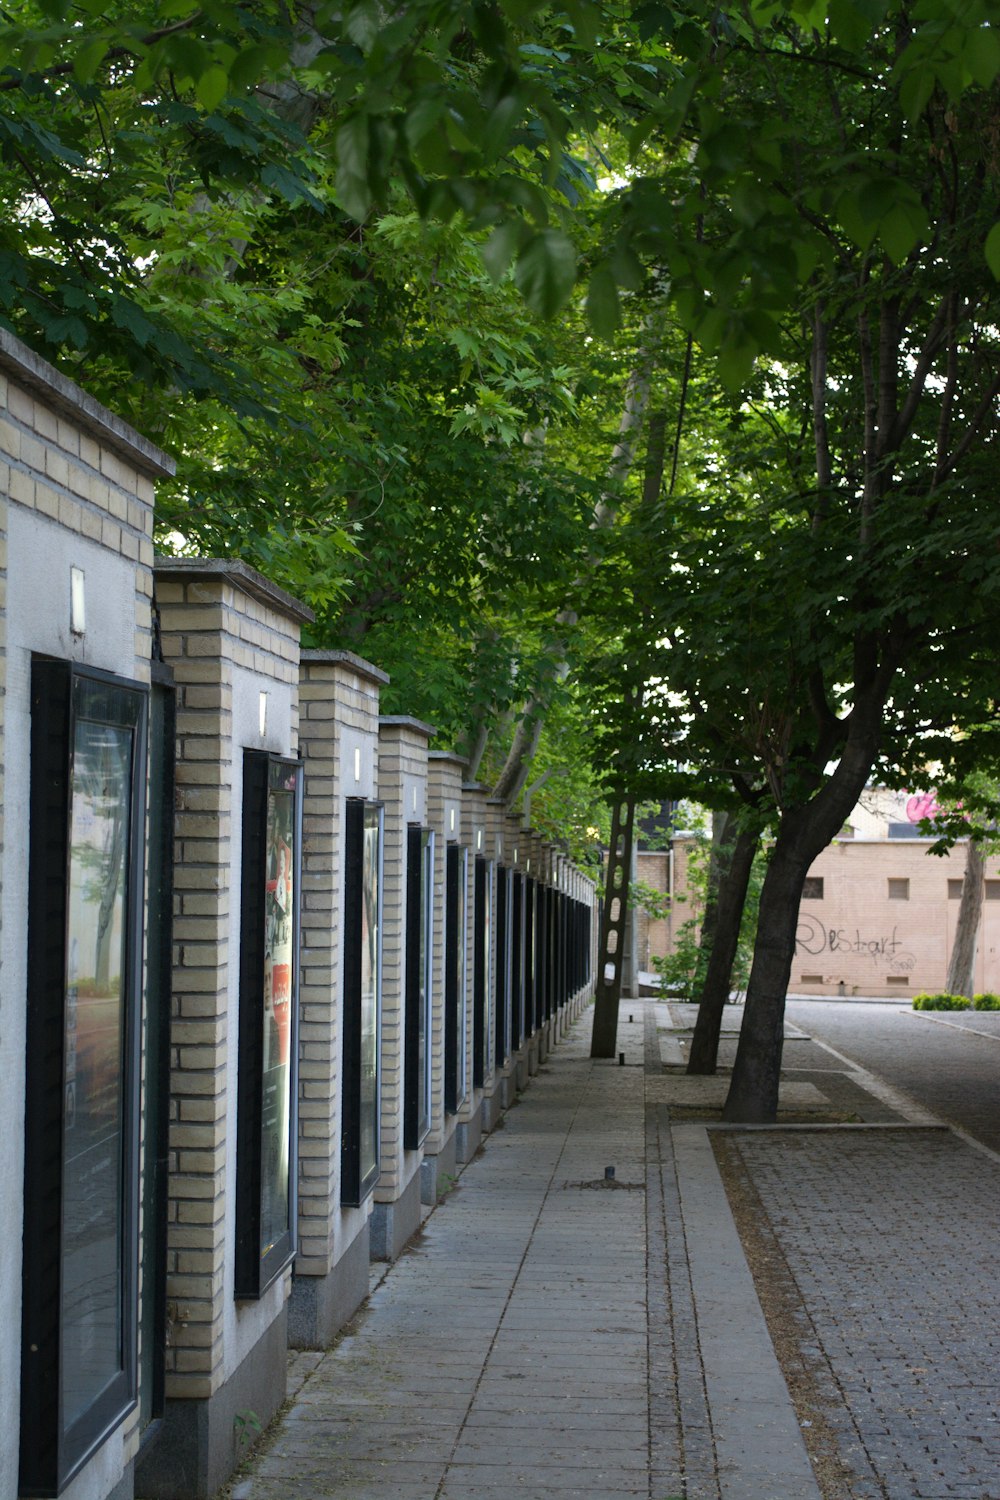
610 953
517 765
804 832
718 860
730 900
962 964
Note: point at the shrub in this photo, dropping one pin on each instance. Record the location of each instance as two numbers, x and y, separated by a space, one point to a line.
941 1001
987 1001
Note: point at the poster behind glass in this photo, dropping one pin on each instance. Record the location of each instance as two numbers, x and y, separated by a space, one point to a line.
462 987
489 971
266 1124
426 975
84 867
368 1134
279 973
94 1042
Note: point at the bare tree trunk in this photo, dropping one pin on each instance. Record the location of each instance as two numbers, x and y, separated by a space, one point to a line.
717 864
613 928
962 964
736 863
529 730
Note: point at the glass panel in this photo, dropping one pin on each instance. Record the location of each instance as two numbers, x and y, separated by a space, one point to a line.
369 1128
426 969
279 960
462 994
94 1069
490 978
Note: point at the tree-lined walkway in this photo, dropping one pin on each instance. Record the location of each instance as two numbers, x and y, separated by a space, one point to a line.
556 1332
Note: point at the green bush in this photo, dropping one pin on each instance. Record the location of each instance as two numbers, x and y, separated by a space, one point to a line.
941 1001
987 1001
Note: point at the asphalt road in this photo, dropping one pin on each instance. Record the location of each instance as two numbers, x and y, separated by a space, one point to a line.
947 1062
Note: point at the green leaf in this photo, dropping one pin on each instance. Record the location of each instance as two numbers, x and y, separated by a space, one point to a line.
353 191
915 92
603 308
89 59
501 247
898 233
981 55
362 24
992 250
859 226
546 271
211 87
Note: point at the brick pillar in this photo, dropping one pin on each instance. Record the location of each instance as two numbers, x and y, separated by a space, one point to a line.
339 735
444 811
402 783
229 636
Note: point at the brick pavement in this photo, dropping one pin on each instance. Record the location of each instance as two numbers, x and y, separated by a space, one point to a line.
889 1238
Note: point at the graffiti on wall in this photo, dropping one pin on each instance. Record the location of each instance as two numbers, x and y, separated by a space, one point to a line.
885 951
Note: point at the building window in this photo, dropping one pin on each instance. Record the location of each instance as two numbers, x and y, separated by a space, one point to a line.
897 979
812 888
992 891
955 890
899 890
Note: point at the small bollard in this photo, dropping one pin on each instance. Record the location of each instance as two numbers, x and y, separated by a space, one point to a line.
609 1174
621 1059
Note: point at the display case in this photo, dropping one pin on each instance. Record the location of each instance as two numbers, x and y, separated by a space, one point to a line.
85 865
267 1129
455 983
362 999
419 986
483 1037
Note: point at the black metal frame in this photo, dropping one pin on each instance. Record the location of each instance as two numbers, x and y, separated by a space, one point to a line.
52 1452
255 1272
355 1186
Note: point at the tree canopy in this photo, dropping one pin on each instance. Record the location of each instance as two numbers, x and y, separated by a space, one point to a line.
661 338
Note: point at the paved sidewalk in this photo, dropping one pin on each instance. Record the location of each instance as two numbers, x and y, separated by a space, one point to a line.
554 1333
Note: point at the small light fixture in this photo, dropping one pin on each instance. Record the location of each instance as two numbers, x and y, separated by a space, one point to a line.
357 765
515 854
262 714
451 820
479 838
414 799
77 602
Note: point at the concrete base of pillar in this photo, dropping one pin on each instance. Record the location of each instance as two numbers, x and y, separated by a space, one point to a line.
393 1225
468 1134
200 1443
321 1305
492 1109
438 1170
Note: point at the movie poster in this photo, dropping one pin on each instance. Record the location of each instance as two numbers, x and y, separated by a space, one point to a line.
279 954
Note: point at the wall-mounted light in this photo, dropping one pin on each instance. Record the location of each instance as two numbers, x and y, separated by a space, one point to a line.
77 602
479 838
414 799
262 714
357 765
